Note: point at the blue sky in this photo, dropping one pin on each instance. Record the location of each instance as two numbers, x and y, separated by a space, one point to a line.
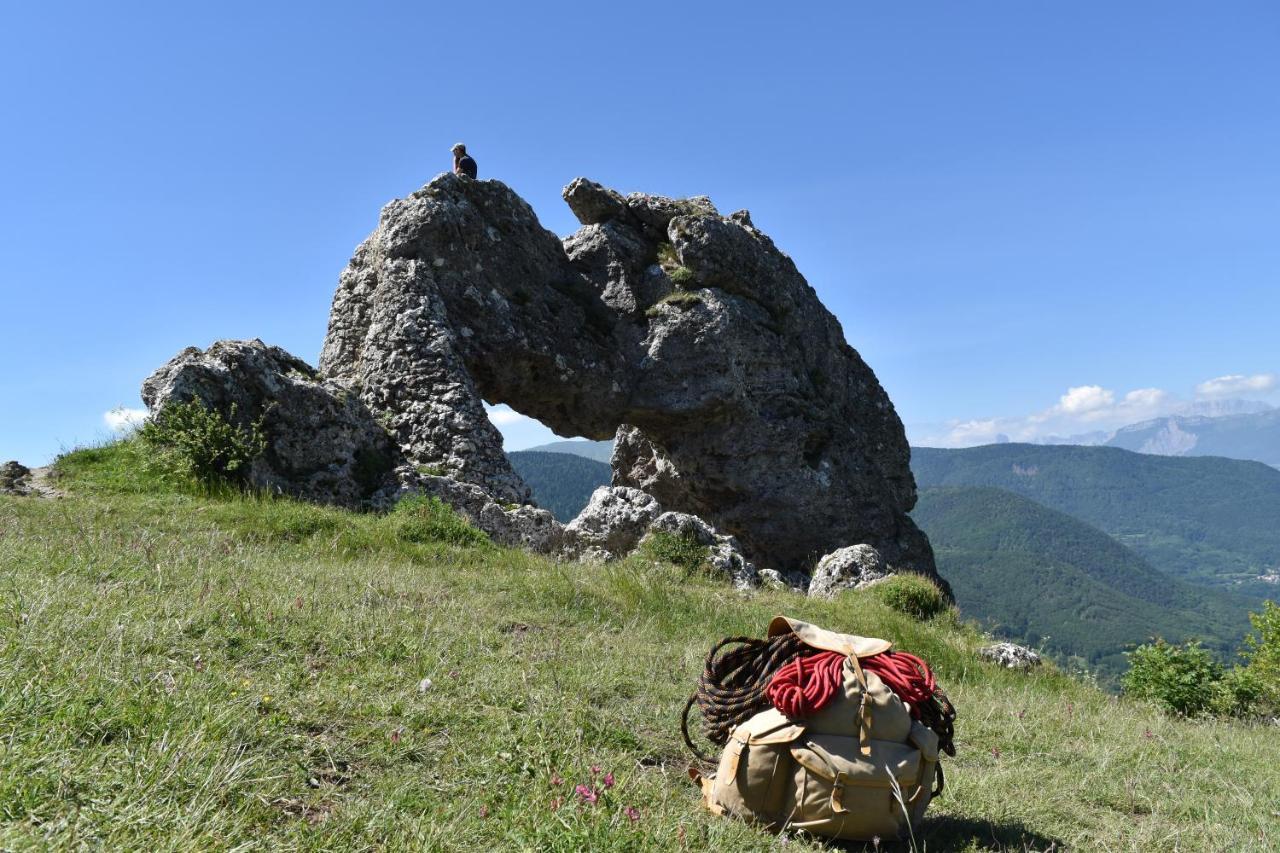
1029 217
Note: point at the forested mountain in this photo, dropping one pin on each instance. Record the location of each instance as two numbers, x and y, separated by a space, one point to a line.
561 482
1039 576
1208 520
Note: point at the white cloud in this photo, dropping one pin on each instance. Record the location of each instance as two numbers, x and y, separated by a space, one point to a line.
1082 410
121 419
1237 383
1085 398
1090 413
504 415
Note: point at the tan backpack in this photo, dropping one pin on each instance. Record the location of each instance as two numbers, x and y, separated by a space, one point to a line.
857 769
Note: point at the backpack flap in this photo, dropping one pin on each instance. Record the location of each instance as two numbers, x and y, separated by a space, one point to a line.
828 641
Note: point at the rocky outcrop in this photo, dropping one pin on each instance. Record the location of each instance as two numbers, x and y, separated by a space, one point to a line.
618 519
322 443
15 479
732 392
853 567
518 526
724 554
1010 655
612 523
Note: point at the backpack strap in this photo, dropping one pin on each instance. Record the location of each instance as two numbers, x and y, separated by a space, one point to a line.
864 708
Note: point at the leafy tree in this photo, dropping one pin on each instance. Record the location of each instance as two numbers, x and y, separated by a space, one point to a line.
1263 651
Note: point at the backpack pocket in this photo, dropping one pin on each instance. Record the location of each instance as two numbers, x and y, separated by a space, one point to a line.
841 793
755 772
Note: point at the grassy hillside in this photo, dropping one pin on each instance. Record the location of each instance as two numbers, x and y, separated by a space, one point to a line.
182 672
1038 575
561 482
1207 520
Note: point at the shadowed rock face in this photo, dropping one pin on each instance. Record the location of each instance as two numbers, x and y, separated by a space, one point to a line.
731 389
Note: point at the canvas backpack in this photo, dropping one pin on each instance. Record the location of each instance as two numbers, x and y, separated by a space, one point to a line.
857 769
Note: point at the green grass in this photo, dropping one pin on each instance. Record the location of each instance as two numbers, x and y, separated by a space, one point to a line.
183 670
682 299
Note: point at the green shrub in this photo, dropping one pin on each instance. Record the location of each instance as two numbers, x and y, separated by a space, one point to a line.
1181 679
1239 693
424 519
911 594
684 552
1263 652
201 441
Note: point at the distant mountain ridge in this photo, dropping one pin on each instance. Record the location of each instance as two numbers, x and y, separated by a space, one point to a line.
600 451
1253 435
1206 520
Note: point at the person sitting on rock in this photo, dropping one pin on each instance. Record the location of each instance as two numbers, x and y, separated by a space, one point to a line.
462 162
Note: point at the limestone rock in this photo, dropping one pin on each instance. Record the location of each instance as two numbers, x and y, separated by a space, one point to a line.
724 554
612 523
1010 655
514 525
15 479
853 567
322 443
733 394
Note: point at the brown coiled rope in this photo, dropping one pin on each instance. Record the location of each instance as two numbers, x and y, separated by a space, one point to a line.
731 689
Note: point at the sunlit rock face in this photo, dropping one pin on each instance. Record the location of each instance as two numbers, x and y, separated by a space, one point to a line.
730 388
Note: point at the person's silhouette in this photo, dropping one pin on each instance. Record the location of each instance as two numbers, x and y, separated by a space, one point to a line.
462 162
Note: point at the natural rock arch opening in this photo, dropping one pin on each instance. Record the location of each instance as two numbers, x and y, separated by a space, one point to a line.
684 334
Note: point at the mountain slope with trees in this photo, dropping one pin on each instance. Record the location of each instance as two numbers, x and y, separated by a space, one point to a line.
1207 520
561 482
1042 577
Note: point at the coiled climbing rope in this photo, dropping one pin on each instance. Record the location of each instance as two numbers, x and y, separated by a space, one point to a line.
731 689
798 680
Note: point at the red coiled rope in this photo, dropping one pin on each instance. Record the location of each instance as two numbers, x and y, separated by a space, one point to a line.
806 684
906 675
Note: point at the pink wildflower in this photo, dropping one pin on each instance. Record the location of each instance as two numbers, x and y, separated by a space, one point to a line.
557 803
608 780
588 795
556 780
595 769
632 813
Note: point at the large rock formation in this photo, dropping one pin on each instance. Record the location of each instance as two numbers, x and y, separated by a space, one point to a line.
730 387
323 444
